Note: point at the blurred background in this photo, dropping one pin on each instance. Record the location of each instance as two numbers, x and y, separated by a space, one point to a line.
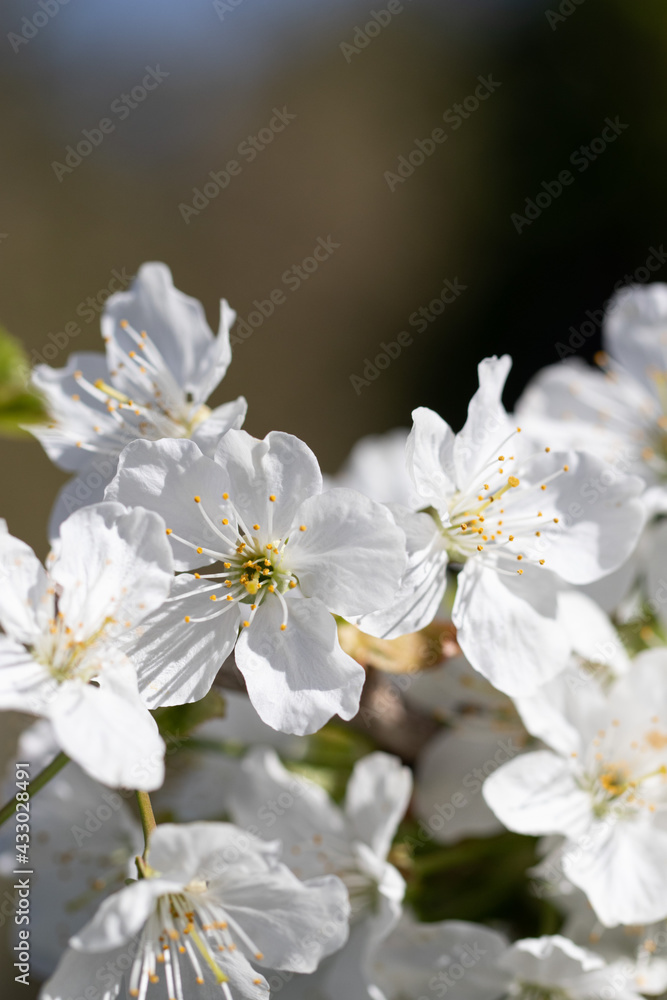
359 87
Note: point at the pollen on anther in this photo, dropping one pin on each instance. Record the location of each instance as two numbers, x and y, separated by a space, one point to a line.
519 558
199 550
566 468
538 533
227 565
225 520
292 584
197 499
543 487
520 572
255 527
555 520
245 624
170 531
479 548
302 527
547 449
187 618
513 481
518 430
272 498
259 956
501 458
283 627
541 562
213 597
225 496
511 538
230 597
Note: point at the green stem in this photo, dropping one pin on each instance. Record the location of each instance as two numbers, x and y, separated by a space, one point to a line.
148 823
50 771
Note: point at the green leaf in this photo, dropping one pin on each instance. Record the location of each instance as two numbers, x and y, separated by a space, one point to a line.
18 403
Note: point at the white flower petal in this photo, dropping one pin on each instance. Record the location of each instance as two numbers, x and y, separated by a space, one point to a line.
634 331
415 958
165 476
508 626
229 416
449 778
281 466
429 455
81 491
174 322
377 796
537 793
295 924
122 915
77 970
352 554
111 563
213 365
623 871
487 426
108 731
549 961
424 582
601 514
311 813
24 684
78 419
23 584
177 660
298 678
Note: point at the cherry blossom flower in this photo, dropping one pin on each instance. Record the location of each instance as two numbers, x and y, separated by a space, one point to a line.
352 842
215 904
521 522
288 558
59 659
603 787
162 363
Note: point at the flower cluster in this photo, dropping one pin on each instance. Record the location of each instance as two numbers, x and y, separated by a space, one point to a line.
403 727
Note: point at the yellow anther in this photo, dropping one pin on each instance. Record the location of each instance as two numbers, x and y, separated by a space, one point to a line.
227 565
520 572
197 499
283 627
225 520
245 624
253 607
555 520
543 487
486 486
225 496
303 527
501 458
566 468
213 597
197 576
541 562
519 558
292 584
479 548
229 597
547 449
511 537
513 481
255 527
272 498
76 397
259 956
199 550
518 430
170 531
124 323
187 618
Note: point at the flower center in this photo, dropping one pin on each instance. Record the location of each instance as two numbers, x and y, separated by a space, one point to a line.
253 567
186 926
